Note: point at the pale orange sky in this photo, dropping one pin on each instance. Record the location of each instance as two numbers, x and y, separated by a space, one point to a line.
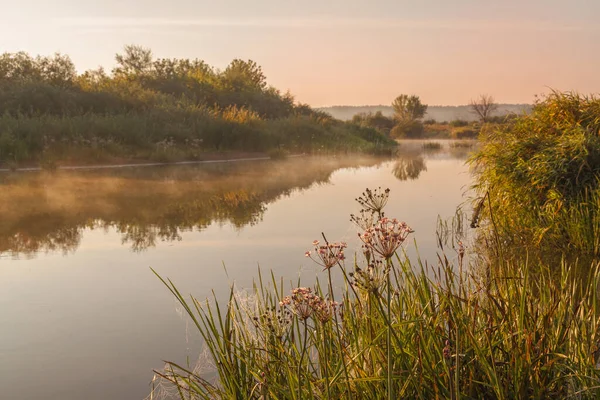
332 52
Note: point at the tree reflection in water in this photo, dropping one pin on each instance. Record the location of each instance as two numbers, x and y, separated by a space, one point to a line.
409 167
50 212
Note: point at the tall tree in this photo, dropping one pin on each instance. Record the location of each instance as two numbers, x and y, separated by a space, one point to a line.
136 60
244 75
408 108
58 70
484 106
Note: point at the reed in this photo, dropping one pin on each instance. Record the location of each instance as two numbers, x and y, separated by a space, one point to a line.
460 329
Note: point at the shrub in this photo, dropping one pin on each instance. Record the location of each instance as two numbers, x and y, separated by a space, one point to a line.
408 130
541 173
48 109
457 123
464 132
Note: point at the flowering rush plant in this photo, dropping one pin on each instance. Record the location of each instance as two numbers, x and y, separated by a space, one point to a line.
327 255
384 237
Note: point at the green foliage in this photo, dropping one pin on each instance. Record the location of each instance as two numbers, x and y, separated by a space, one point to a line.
408 108
457 123
46 108
408 130
540 173
136 61
375 120
464 132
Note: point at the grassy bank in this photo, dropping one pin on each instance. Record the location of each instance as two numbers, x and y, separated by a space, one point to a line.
538 177
507 315
399 329
159 110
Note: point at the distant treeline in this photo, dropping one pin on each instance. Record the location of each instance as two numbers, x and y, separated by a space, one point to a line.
160 109
437 113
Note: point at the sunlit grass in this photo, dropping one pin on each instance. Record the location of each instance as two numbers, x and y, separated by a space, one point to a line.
539 175
460 329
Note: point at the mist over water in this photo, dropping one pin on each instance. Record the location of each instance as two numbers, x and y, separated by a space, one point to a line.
76 290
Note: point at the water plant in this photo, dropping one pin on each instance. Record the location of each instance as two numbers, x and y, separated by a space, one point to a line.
432 146
539 175
460 329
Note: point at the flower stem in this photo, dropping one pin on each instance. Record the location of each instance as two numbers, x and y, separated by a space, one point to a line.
389 337
301 358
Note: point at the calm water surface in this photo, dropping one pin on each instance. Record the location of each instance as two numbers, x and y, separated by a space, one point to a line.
83 317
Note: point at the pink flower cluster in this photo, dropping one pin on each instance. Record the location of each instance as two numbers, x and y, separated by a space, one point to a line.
327 255
384 237
304 303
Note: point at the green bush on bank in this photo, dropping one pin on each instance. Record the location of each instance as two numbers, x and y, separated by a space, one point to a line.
148 108
540 174
465 132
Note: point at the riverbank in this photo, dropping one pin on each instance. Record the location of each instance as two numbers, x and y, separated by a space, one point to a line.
157 114
509 311
208 158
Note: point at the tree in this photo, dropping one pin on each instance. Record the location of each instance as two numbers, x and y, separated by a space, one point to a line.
483 107
408 108
137 60
18 67
243 75
58 70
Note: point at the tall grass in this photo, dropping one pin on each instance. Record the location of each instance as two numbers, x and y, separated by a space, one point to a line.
539 175
460 329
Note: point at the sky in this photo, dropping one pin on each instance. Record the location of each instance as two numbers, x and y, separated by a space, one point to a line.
337 52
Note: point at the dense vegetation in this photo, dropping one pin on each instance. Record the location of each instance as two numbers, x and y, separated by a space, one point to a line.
438 113
488 321
539 176
407 122
160 109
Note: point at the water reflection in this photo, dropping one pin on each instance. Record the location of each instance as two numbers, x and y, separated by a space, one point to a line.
44 212
50 212
409 167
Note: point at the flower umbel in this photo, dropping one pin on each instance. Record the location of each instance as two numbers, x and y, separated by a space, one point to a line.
327 255
302 302
374 200
372 278
325 309
385 237
364 220
276 322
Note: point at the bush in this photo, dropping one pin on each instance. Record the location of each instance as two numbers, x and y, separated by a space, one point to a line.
457 123
186 103
465 132
541 173
408 130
